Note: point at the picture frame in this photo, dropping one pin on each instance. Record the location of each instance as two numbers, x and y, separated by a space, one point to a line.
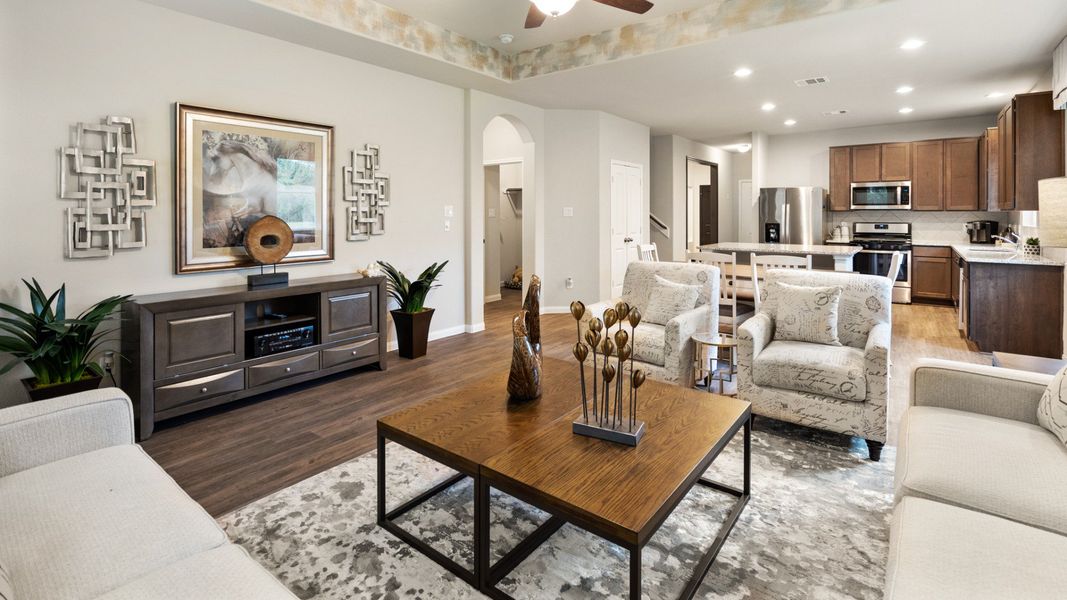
233 168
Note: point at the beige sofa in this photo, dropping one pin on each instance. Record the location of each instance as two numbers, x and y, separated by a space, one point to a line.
981 489
85 513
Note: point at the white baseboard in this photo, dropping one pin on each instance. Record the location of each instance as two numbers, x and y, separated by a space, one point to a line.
555 310
493 298
475 327
436 335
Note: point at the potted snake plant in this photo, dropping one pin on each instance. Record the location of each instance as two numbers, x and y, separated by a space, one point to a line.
411 317
60 352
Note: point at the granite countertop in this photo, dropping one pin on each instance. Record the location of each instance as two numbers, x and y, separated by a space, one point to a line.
783 248
982 253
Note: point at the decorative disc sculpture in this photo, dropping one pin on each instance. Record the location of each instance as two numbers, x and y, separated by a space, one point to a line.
524 380
604 415
268 241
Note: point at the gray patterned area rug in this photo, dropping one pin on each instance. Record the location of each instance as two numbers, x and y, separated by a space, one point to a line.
817 526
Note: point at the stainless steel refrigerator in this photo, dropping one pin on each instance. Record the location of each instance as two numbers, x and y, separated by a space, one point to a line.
792 215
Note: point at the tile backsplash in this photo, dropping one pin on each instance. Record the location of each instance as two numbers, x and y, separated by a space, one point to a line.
926 226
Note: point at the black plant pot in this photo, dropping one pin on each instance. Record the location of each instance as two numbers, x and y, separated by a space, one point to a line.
60 389
412 331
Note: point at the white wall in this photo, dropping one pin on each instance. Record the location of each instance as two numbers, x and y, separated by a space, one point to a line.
509 238
492 233
501 143
625 141
65 62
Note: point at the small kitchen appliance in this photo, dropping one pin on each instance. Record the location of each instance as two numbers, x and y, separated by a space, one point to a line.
982 232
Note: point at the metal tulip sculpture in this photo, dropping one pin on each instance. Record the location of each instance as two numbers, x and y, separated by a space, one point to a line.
608 418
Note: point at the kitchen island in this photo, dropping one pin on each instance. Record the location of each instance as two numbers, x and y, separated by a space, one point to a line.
841 255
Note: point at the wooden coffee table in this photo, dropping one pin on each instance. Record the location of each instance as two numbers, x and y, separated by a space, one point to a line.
619 493
461 429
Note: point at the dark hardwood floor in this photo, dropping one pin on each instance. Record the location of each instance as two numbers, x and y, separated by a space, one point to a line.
228 457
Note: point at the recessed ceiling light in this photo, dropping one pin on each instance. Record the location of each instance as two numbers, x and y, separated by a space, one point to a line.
742 148
768 106
905 110
743 72
912 44
905 89
994 95
790 122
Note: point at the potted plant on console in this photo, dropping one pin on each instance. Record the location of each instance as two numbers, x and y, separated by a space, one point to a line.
60 352
411 317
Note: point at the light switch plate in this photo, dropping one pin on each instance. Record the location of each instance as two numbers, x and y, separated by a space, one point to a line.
492 213
568 211
449 212
448 224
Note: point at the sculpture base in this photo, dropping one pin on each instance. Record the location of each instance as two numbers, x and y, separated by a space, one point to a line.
620 434
268 280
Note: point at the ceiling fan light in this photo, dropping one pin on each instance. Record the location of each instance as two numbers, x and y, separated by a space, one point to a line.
554 8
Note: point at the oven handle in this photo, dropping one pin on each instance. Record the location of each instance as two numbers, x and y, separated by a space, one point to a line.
883 251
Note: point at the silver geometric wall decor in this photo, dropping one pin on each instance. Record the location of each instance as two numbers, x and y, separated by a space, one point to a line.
111 188
368 191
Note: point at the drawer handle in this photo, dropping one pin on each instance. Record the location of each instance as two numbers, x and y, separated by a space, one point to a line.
203 390
288 369
355 352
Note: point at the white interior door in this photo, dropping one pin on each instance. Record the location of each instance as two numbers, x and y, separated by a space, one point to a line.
627 218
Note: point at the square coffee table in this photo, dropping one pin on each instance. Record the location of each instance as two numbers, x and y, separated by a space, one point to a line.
461 429
622 494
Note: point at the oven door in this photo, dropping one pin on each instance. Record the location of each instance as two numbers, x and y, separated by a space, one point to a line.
881 196
877 262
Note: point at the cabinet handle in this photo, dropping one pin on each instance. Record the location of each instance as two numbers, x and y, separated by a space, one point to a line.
288 369
355 352
203 390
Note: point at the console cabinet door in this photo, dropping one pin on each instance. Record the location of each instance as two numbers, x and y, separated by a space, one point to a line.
840 178
349 313
193 340
867 163
927 175
896 162
961 174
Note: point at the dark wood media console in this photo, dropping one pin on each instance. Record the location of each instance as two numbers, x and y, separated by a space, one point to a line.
186 351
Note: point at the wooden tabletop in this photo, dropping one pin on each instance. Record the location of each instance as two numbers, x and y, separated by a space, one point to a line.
465 427
619 492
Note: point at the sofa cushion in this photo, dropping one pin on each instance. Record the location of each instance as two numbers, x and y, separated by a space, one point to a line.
6 591
1052 410
941 552
1003 467
224 572
84 525
806 314
648 343
834 371
668 300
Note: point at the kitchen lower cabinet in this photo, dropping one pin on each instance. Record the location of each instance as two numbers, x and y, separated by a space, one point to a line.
1013 308
931 273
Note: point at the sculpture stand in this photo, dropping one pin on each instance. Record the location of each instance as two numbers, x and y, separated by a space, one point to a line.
620 434
263 279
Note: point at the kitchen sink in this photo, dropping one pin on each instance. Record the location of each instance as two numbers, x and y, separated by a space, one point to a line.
1001 254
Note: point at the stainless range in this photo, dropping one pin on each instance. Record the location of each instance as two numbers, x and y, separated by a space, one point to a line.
880 241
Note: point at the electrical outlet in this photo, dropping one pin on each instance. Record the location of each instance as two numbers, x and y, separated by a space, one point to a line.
109 361
448 224
570 283
568 211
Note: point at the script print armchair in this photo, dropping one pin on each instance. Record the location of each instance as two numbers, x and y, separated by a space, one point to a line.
844 388
665 350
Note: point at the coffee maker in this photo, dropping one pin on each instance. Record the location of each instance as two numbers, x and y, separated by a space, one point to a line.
982 232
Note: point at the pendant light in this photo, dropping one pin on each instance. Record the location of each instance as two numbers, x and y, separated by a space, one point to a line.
554 8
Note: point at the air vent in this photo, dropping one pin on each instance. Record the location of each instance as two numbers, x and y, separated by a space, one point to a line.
834 113
811 81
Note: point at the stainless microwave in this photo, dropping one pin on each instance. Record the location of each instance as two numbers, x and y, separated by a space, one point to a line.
893 195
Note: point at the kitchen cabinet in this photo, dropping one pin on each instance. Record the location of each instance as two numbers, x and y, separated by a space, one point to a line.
931 273
988 169
867 163
840 178
1031 148
896 162
1013 307
961 174
928 175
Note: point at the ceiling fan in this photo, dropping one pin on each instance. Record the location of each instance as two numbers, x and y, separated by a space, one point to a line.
542 9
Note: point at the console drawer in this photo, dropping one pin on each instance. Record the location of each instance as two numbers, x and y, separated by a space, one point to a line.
359 350
280 369
194 390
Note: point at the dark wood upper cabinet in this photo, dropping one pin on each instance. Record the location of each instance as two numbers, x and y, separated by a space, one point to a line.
927 175
1031 146
988 169
961 174
840 178
867 163
896 161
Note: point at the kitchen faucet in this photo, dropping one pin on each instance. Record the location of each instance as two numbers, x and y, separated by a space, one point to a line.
1013 243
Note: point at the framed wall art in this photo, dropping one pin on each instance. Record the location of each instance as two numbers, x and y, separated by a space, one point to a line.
233 169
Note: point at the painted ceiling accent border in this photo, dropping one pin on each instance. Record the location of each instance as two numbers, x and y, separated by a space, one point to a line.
373 20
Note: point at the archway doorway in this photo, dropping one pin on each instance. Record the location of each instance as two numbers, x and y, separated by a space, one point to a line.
503 152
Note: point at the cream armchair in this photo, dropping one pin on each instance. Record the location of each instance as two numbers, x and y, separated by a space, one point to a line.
665 351
843 388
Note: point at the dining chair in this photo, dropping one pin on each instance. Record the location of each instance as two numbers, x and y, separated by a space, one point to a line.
648 252
732 311
894 266
774 261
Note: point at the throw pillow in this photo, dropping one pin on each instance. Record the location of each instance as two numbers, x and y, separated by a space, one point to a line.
1052 409
806 314
668 300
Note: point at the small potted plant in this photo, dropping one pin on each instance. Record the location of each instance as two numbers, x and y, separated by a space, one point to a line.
411 317
60 352
1032 247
